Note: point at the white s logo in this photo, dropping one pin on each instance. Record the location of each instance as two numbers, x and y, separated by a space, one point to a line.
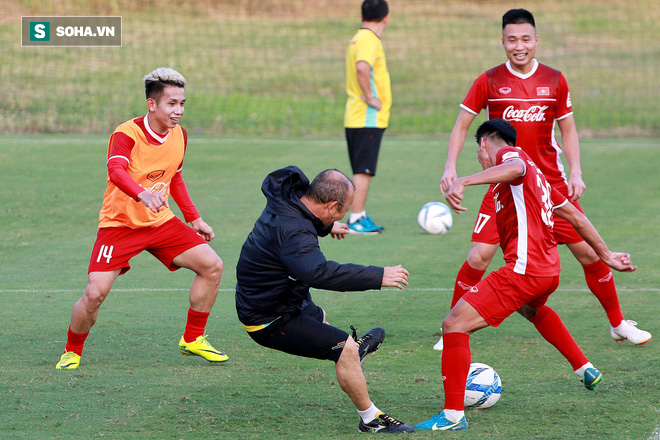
40 31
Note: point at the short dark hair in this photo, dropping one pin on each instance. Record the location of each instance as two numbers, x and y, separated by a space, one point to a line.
498 129
156 81
374 10
328 186
518 16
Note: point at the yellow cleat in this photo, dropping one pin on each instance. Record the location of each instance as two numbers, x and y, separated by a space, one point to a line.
201 347
68 361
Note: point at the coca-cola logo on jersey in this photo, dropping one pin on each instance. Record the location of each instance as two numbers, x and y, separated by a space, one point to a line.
535 113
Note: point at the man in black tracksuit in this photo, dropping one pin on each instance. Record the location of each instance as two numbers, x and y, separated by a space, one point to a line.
280 261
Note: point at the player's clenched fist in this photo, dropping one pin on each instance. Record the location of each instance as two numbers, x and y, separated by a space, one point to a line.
395 276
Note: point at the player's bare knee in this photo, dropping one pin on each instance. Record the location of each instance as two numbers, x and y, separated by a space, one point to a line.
478 259
449 324
212 269
94 296
583 253
349 353
589 257
217 268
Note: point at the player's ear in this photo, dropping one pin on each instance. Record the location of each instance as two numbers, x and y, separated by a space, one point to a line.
151 104
332 206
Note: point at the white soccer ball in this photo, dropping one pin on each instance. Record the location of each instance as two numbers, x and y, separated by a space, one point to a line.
435 218
483 387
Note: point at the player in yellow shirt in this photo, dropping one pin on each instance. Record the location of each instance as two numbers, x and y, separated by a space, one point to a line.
145 160
367 108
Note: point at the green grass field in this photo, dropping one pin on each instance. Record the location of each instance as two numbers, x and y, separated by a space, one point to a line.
134 384
278 68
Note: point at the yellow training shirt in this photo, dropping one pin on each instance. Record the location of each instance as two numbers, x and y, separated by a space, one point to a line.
366 46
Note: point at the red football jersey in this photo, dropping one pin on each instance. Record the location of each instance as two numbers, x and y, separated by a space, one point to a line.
524 218
532 103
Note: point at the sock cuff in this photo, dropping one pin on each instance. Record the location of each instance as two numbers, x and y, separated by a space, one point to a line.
455 339
71 333
596 267
369 414
471 272
355 216
197 314
75 342
541 314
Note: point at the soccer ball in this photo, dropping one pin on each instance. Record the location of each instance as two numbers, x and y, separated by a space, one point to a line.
435 218
483 387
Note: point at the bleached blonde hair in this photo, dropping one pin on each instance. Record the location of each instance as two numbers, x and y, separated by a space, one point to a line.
155 81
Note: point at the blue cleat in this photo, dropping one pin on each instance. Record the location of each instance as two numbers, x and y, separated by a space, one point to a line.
441 423
592 378
371 222
365 226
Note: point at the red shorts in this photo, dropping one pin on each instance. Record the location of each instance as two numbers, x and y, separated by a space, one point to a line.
503 292
114 247
485 228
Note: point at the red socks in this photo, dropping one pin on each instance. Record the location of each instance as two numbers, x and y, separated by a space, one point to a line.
455 368
553 330
194 328
195 325
601 283
467 277
75 342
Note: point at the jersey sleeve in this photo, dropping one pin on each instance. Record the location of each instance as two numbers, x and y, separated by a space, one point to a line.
180 194
179 190
367 50
558 200
302 256
477 97
121 145
119 155
509 154
564 105
185 146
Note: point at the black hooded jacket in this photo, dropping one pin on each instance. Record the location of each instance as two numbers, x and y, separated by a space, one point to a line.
281 258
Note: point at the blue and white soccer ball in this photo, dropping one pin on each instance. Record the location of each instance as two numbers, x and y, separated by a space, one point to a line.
483 387
435 218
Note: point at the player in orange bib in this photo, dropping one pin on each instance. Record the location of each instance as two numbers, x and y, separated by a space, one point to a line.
145 159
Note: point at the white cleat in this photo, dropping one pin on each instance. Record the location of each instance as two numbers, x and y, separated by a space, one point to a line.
628 330
439 345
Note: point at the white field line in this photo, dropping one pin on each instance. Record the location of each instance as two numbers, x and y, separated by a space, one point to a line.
408 289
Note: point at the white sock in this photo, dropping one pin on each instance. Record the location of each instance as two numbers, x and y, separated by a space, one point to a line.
369 414
453 414
580 371
355 216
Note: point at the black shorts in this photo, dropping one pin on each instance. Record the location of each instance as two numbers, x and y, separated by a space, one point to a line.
303 335
363 149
